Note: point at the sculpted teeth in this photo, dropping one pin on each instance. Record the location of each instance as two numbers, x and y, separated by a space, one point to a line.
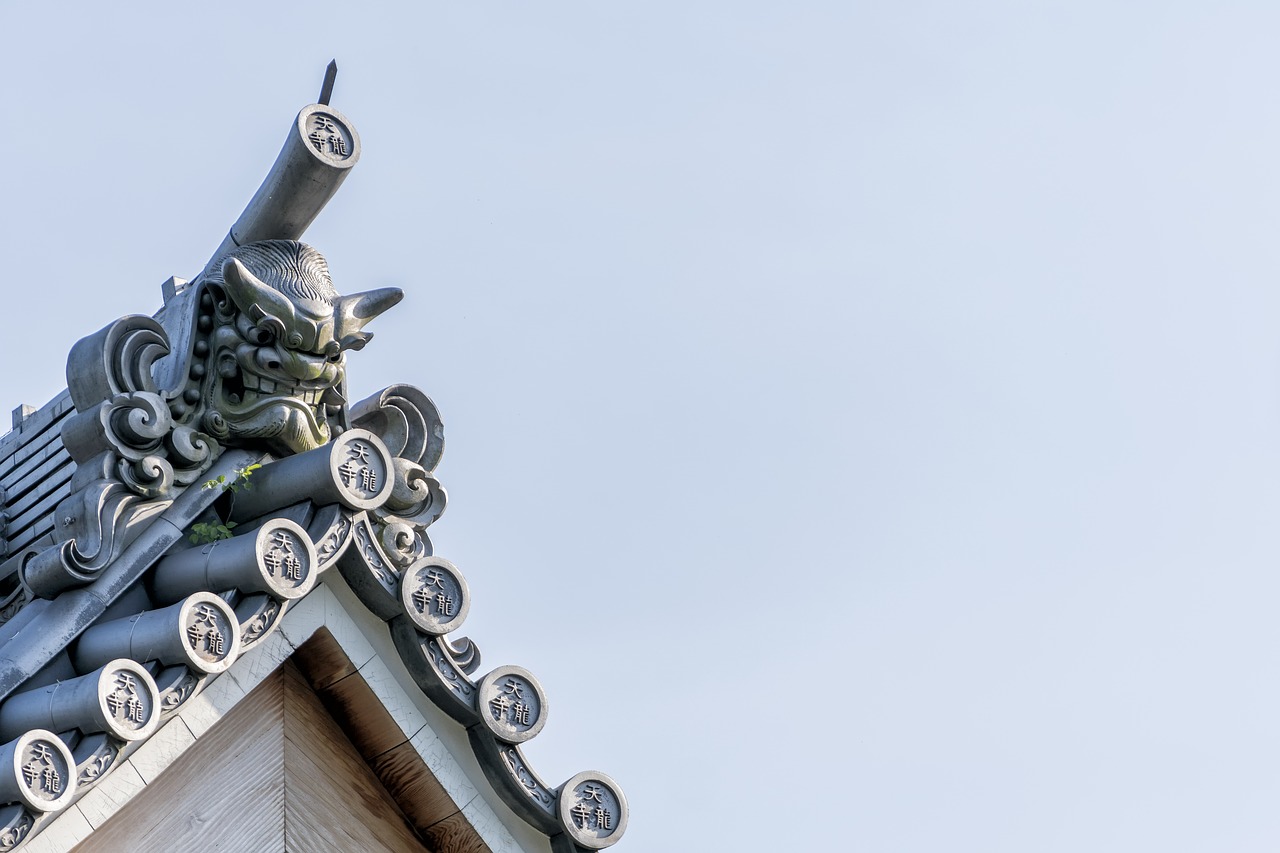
262 385
254 382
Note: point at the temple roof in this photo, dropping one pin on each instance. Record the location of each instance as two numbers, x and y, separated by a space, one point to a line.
203 503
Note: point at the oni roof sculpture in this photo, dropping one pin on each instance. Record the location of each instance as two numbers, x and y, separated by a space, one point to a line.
204 473
274 364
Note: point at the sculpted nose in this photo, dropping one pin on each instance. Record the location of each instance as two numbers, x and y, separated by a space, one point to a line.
268 358
303 368
294 365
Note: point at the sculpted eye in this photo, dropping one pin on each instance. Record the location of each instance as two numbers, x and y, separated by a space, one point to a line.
333 351
262 336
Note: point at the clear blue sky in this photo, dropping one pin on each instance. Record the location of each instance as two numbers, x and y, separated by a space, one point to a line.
864 418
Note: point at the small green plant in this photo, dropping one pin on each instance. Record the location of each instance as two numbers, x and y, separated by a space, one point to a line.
236 483
206 532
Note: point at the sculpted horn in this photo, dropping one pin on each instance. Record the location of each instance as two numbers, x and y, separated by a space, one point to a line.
353 312
254 298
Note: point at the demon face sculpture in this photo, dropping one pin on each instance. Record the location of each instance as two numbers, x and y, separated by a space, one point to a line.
274 356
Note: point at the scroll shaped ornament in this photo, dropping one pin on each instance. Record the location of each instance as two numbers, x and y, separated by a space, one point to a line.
542 797
368 569
177 684
259 615
515 781
92 526
94 755
121 412
330 529
409 424
436 671
132 457
116 359
16 822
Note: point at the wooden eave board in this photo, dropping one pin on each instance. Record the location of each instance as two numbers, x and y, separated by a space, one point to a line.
277 773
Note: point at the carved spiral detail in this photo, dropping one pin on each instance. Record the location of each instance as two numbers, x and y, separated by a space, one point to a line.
215 424
133 345
407 421
192 449
16 830
452 678
370 551
417 498
100 760
137 423
150 476
330 535
412 488
402 544
175 697
140 443
257 626
463 652
535 789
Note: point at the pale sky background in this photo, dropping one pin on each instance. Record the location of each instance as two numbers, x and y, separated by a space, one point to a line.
863 418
